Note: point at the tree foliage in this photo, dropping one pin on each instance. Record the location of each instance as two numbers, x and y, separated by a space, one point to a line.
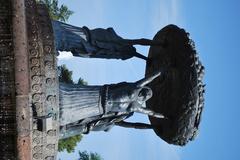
82 82
61 13
69 144
65 75
89 156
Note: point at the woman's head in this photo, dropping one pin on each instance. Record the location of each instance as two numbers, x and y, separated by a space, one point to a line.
144 94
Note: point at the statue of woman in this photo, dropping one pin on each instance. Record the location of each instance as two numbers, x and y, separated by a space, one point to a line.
96 43
86 108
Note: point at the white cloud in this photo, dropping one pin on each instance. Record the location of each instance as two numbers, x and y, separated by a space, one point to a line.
174 11
65 56
166 12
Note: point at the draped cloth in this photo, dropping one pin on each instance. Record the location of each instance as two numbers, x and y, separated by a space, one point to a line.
79 102
81 110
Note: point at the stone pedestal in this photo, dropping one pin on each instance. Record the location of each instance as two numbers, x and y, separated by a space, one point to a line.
28 82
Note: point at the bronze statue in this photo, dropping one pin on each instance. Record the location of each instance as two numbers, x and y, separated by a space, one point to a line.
86 108
96 43
96 108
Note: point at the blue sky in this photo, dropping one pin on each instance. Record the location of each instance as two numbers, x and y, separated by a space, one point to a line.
214 26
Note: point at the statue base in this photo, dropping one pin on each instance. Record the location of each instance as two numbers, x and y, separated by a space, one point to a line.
29 111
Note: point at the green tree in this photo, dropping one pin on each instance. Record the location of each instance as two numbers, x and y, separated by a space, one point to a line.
82 82
68 144
56 12
89 156
65 75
